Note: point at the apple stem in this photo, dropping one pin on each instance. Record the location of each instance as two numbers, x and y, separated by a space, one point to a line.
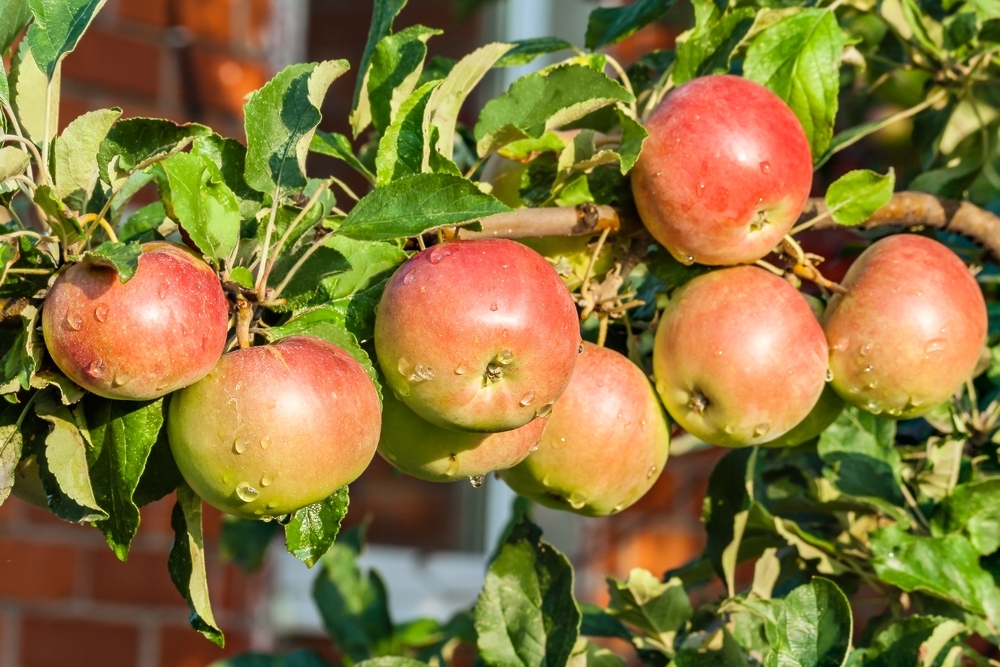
244 316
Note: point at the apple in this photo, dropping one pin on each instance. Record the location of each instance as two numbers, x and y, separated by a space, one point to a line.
826 411
421 449
605 443
275 428
739 357
910 329
162 330
478 335
724 173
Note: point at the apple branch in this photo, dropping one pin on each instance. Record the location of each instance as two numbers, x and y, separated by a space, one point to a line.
580 220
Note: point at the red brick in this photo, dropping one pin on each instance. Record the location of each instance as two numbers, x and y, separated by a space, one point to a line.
39 571
115 62
45 517
156 517
208 19
224 82
71 107
182 647
153 12
141 580
658 549
47 642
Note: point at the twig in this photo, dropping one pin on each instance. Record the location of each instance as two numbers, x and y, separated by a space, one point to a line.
582 220
33 272
108 230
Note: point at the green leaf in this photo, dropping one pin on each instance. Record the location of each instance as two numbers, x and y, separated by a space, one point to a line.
313 529
658 610
124 432
706 48
526 615
10 448
447 99
13 162
917 640
300 658
383 15
417 204
860 458
122 257
354 607
544 101
143 225
29 87
280 121
371 262
406 143
526 51
161 476
391 661
338 146
202 204
718 649
63 464
187 564
76 169
137 142
22 359
393 74
608 25
245 542
14 16
799 59
855 196
586 654
4 87
58 26
814 627
243 276
633 137
974 509
945 567
230 157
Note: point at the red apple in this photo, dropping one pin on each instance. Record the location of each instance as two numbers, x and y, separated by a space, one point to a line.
739 357
910 329
605 443
477 335
162 330
275 428
724 173
421 449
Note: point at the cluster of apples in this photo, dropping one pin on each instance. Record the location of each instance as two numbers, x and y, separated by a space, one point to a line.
739 357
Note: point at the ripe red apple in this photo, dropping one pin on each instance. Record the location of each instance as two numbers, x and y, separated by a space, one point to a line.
605 443
477 335
724 173
421 449
910 329
162 330
275 428
739 357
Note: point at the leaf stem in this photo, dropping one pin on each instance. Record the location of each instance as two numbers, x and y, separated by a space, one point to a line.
345 188
34 272
261 286
298 265
626 82
108 230
291 228
43 168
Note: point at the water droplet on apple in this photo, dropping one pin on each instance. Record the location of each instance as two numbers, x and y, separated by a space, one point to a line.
439 253
408 278
762 429
577 503
730 429
96 369
272 403
651 472
544 412
453 465
503 334
74 321
271 505
874 407
557 444
265 442
873 384
701 189
936 345
404 367
101 312
461 369
267 479
121 379
688 260
246 492
494 307
865 349
506 357
477 481
528 398
223 433
868 369
765 167
240 445
534 449
842 344
163 290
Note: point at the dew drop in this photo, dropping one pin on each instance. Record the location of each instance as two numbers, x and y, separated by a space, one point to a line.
241 445
557 444
874 407
506 357
829 375
534 449
74 321
865 349
730 429
503 334
272 403
439 253
404 367
688 260
642 425
121 379
163 290
936 345
873 384
246 492
528 398
842 344
494 307
477 481
227 479
453 466
96 369
404 390
651 472
765 167
408 278
223 433
267 479
544 412
576 503
101 312
762 429
271 505
461 369
265 442
701 189
868 369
